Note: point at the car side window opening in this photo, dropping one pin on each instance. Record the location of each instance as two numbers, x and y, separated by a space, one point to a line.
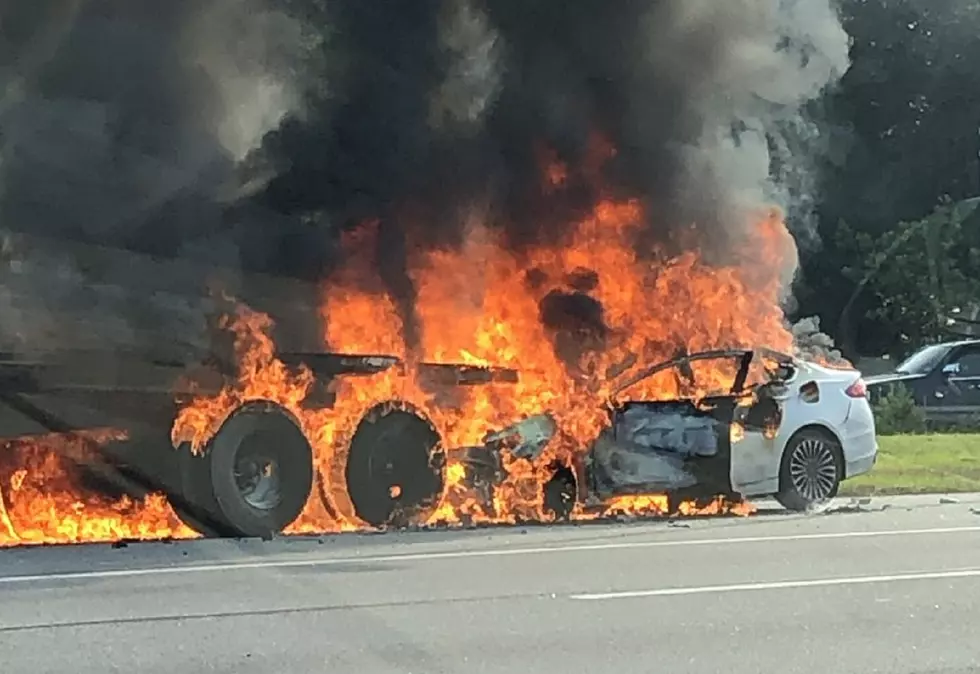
707 378
924 360
966 363
684 381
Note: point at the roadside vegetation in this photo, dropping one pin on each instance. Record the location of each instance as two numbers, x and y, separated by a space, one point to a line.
915 458
921 464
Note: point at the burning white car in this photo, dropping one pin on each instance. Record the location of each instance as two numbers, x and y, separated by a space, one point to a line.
794 434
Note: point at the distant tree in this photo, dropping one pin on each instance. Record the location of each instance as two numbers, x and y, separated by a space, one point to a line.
904 132
911 279
909 110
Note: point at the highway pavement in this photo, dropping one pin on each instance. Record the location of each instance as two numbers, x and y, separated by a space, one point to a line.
890 586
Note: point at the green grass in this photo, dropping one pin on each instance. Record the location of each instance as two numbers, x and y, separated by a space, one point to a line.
921 464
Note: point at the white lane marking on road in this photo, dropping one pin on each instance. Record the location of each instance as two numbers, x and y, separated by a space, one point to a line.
777 585
246 565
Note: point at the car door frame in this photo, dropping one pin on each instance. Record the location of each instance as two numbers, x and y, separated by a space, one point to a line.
712 466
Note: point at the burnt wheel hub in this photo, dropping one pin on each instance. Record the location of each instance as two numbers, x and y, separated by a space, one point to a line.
394 472
258 475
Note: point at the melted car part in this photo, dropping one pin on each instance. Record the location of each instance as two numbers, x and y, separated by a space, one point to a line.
395 466
622 468
484 471
668 430
560 494
766 412
527 438
655 447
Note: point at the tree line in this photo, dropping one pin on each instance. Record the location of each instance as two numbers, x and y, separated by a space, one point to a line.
898 252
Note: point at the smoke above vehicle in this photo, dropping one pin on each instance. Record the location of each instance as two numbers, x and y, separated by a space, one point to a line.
559 189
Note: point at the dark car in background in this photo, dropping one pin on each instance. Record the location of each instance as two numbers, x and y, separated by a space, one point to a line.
943 379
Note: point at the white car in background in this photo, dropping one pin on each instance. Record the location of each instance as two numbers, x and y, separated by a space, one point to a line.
785 427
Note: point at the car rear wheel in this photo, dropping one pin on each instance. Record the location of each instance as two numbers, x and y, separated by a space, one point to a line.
811 471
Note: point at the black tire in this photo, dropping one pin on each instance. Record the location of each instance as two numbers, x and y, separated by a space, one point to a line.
254 477
560 494
395 467
811 470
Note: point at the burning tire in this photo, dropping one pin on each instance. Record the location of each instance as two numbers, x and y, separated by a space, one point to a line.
395 466
254 477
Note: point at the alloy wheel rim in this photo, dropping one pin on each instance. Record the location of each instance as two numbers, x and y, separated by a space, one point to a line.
813 469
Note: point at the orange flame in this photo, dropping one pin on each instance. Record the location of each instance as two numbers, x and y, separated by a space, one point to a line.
43 499
479 304
476 305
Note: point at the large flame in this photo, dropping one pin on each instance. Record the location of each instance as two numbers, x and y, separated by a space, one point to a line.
480 304
43 498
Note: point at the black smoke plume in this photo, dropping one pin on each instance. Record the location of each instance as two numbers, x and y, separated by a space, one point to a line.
250 134
122 128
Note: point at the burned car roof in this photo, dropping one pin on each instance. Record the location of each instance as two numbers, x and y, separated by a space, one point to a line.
746 356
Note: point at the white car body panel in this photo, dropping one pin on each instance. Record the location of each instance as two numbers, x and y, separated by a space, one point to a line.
756 459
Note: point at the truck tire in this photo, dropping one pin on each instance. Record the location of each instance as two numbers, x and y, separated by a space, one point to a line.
395 467
254 477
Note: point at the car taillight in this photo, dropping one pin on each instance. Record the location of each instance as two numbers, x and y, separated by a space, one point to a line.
858 389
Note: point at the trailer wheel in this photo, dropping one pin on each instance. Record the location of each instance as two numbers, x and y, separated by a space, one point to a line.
395 466
254 477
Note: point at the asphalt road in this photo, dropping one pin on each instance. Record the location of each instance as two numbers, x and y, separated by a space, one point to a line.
888 589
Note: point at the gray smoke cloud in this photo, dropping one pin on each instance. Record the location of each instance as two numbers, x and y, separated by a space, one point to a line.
813 344
121 126
755 66
252 133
